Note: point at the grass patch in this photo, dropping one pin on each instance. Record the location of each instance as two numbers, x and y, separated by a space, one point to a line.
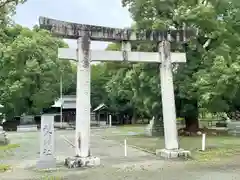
124 130
216 154
9 147
217 147
4 167
6 150
48 177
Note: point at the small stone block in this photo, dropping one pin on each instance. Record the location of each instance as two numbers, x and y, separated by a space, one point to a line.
170 154
76 162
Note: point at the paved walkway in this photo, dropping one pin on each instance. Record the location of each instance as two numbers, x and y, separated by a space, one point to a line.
137 165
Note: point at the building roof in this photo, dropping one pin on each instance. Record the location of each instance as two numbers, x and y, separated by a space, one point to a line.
58 103
100 107
67 102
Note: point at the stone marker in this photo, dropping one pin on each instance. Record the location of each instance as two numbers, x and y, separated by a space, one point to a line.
47 153
110 120
27 124
155 128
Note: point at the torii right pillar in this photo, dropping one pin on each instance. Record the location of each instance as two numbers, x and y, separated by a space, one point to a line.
172 149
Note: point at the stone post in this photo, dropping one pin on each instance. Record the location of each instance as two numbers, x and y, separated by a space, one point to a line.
110 120
168 100
83 157
83 104
168 105
47 143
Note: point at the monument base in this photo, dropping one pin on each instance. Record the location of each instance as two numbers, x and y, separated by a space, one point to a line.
27 128
150 131
155 128
170 154
46 163
76 162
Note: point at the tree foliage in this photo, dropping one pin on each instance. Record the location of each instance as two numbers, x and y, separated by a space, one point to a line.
210 75
208 80
30 70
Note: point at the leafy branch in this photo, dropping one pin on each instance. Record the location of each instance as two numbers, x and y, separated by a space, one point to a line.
6 2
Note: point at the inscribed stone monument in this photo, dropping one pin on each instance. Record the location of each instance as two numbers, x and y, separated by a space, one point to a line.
47 154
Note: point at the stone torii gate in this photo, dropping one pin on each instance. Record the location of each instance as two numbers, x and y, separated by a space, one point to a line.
83 55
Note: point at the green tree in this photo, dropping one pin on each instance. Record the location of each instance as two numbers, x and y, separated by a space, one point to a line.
7 9
119 92
213 50
30 70
99 78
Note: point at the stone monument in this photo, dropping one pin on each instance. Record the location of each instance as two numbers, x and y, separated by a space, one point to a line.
27 124
155 128
47 143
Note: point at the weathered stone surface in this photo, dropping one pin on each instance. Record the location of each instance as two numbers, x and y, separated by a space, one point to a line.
47 143
155 128
74 31
76 162
233 128
170 154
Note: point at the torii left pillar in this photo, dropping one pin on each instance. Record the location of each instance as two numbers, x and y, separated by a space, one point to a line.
83 105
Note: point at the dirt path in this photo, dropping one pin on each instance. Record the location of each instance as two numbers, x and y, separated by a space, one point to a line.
137 165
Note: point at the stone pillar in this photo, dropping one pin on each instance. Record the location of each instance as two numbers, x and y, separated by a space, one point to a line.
83 98
168 106
168 99
126 47
47 153
83 157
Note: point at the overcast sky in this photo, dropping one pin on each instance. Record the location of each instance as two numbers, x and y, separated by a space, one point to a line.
97 12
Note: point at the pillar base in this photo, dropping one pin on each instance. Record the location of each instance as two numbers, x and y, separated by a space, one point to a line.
76 162
174 153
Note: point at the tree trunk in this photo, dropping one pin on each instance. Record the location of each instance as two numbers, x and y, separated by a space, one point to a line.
191 124
134 118
191 118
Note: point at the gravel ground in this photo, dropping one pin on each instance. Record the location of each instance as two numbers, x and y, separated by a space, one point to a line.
137 165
